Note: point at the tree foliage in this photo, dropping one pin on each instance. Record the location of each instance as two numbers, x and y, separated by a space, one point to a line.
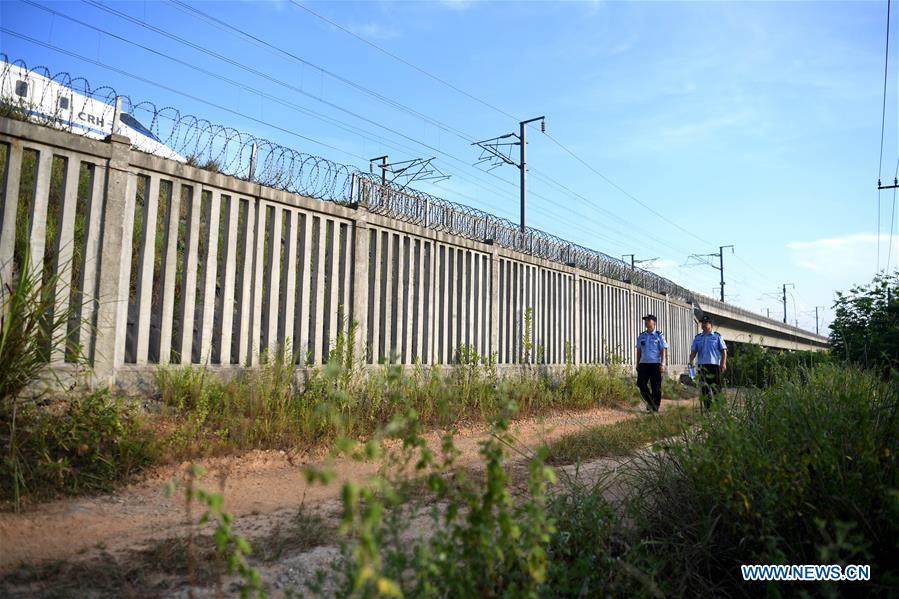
866 328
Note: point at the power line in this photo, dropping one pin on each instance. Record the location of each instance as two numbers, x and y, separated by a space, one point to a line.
173 90
543 176
308 111
479 100
373 137
258 41
622 190
263 75
883 116
404 61
273 79
220 107
444 126
892 221
886 61
222 25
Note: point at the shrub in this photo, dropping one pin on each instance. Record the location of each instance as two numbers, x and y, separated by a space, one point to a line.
751 365
267 408
803 472
864 328
485 542
87 444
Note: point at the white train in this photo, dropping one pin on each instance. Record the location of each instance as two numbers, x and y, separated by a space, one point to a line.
58 105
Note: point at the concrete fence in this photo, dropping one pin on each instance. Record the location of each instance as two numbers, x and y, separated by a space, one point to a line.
166 263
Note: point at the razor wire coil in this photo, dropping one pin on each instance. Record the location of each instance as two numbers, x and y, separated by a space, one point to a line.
202 143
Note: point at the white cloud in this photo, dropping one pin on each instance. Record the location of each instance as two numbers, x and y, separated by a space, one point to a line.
692 131
661 263
375 31
851 255
458 4
277 5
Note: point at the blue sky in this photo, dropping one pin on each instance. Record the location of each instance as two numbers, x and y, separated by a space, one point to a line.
752 124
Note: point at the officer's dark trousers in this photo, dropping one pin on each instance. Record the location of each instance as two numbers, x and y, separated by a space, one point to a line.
649 380
709 379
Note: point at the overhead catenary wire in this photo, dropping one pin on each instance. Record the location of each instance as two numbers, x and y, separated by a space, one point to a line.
332 146
405 62
883 117
325 118
505 113
175 91
223 25
263 94
292 56
273 79
500 110
444 126
198 99
892 223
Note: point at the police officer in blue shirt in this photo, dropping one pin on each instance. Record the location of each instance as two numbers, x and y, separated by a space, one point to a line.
652 351
711 350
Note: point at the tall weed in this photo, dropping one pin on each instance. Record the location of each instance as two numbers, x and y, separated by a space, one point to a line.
267 408
84 445
483 541
803 472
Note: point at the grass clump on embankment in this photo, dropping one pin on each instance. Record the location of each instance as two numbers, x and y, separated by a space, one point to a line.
84 444
266 408
803 472
620 438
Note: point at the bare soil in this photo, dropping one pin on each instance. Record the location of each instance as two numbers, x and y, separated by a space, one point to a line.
262 489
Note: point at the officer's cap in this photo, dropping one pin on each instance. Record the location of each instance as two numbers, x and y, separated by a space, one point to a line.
705 319
650 317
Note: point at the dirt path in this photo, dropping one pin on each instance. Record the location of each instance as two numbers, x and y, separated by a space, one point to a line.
261 489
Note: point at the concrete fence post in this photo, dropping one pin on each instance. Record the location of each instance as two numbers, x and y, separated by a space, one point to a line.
576 334
114 263
251 171
360 281
494 304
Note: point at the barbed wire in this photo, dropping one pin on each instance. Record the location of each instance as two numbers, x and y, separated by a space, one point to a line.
424 209
168 133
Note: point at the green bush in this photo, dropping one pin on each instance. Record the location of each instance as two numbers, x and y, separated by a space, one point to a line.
485 542
865 324
590 551
752 365
87 444
803 472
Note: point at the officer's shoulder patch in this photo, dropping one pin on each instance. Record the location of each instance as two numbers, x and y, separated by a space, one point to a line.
717 333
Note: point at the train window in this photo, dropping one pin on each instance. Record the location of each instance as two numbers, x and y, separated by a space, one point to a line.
21 88
63 103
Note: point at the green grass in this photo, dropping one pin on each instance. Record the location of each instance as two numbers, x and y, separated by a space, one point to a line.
672 389
87 444
305 530
803 472
621 438
266 409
